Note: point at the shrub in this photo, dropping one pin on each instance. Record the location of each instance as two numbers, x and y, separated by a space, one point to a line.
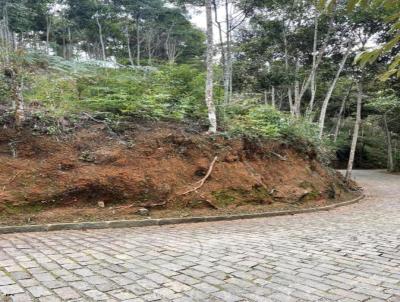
263 121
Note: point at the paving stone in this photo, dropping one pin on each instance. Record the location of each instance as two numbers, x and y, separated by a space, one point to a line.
21 298
67 293
96 295
50 299
11 289
105 287
348 254
226 296
122 295
38 291
206 288
19 275
6 281
84 272
53 284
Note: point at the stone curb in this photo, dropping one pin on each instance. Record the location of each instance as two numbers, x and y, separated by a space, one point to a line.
163 221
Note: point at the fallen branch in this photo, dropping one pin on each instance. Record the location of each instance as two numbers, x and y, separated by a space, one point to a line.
284 158
203 180
14 177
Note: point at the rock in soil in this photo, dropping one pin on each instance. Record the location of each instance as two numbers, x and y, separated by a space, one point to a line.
143 212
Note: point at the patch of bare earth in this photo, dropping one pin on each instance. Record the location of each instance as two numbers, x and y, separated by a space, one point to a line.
93 174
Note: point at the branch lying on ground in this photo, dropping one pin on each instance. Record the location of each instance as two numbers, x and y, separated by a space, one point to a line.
284 158
14 177
203 180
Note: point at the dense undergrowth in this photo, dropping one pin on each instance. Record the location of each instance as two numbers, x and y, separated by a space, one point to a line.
63 90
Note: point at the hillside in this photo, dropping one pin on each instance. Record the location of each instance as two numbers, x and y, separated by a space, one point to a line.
153 165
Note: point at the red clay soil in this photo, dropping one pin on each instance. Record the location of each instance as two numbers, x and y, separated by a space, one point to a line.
47 178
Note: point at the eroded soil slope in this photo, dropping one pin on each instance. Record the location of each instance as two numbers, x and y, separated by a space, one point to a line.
47 178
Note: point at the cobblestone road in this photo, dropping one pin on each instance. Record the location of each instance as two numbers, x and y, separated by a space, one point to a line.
348 254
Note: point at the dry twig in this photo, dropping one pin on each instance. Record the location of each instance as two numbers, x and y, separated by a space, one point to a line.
203 180
14 177
284 158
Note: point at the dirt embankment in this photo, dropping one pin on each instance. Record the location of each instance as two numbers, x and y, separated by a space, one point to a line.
95 174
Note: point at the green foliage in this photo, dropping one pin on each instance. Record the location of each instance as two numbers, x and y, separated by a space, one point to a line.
257 121
170 92
263 121
392 9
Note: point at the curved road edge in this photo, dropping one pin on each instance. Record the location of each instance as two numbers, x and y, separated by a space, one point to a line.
165 221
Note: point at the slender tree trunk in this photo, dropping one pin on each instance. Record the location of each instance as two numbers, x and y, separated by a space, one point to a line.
297 99
389 144
339 120
103 49
290 98
149 49
64 46
48 30
128 44
137 42
228 51
17 97
355 131
314 62
14 41
209 63
329 93
265 97
70 48
223 55
291 104
273 97
318 61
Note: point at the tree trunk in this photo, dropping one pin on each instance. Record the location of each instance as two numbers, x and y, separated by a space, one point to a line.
228 52
389 144
314 62
297 99
128 43
355 131
70 48
103 49
17 97
137 42
149 40
48 29
318 61
64 46
339 120
273 97
223 55
209 63
290 98
265 97
329 93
